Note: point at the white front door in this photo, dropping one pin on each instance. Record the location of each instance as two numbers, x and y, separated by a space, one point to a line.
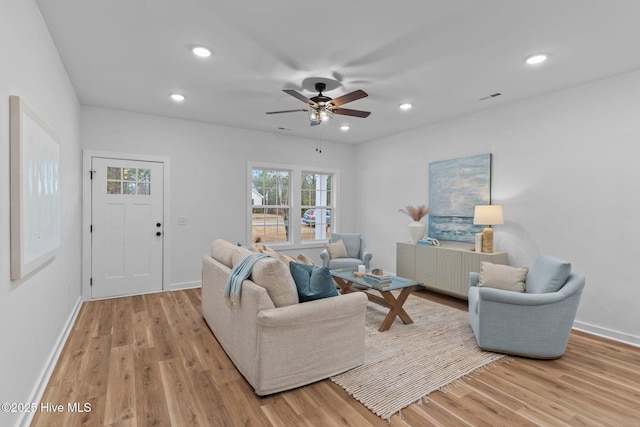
126 227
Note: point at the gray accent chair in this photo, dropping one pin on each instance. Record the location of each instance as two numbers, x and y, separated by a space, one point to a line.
536 323
356 251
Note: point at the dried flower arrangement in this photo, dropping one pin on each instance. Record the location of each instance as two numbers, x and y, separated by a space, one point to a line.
416 213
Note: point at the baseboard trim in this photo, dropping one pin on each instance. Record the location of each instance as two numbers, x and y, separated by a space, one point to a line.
184 285
41 385
607 333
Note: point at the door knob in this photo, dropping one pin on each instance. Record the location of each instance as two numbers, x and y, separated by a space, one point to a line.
158 224
158 234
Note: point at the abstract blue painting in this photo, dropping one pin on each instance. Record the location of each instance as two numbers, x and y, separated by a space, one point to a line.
456 186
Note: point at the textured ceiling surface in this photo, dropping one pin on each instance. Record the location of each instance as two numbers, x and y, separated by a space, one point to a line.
441 55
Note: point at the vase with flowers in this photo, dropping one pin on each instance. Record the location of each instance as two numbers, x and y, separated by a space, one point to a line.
416 213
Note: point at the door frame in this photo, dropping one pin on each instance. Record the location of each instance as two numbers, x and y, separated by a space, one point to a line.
87 156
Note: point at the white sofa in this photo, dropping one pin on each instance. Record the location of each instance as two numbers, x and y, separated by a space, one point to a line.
274 341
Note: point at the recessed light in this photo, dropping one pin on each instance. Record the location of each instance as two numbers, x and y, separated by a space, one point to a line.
201 51
345 128
536 59
178 97
406 106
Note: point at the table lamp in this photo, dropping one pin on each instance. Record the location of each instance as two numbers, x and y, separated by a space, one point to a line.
488 215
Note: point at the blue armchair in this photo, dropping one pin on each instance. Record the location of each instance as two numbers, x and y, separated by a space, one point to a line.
357 253
535 323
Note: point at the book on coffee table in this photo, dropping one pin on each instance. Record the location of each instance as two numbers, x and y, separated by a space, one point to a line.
373 281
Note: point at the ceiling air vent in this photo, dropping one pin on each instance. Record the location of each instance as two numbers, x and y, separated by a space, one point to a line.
493 95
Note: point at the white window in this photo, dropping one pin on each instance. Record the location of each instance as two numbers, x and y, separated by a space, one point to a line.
270 218
128 181
291 205
316 203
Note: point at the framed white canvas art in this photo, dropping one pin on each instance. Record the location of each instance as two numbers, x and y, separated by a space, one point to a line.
35 190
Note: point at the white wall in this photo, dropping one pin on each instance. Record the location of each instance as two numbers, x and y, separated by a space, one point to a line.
563 168
565 171
34 311
209 175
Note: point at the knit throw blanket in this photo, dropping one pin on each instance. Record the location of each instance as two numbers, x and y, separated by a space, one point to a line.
239 273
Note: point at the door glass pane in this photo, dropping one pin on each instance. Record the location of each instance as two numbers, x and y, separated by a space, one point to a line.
144 188
113 187
129 188
144 175
129 174
114 173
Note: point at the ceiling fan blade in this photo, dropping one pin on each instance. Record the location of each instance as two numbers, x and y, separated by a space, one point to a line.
286 111
349 97
298 95
349 112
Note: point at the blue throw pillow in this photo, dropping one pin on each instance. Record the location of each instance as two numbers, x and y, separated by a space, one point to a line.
312 282
548 274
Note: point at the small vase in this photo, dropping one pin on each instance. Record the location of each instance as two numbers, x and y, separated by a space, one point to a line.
416 231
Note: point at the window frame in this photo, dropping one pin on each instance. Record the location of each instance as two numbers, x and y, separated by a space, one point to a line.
295 205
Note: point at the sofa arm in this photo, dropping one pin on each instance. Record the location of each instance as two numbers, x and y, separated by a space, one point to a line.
324 255
474 278
307 342
366 257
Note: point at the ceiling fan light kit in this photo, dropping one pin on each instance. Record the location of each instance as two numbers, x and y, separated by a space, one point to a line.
320 115
322 108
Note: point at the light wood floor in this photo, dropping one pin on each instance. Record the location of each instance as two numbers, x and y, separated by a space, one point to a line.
152 361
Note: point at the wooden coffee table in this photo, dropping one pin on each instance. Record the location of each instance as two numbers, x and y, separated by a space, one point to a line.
349 283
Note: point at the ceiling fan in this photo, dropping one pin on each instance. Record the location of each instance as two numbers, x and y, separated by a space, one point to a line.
322 108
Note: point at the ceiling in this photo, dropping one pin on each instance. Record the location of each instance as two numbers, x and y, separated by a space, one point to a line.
440 55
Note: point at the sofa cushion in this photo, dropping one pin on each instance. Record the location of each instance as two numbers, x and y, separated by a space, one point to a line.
351 243
300 259
264 249
303 259
312 282
238 254
275 277
502 276
548 274
336 249
223 251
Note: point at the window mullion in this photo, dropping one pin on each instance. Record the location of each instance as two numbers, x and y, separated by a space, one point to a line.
294 206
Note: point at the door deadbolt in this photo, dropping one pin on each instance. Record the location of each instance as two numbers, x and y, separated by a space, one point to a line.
158 224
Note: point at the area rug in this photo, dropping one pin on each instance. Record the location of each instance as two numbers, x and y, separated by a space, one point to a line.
408 362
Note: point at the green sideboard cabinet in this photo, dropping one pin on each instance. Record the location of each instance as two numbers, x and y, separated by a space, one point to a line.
442 268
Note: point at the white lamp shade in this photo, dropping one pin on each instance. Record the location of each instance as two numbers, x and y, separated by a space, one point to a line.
488 215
